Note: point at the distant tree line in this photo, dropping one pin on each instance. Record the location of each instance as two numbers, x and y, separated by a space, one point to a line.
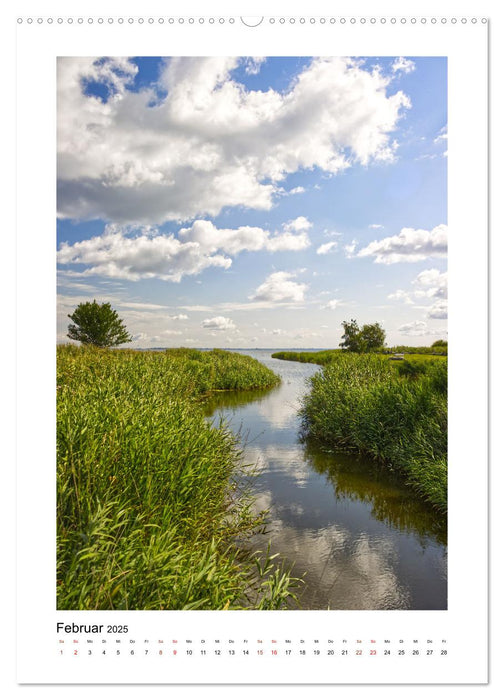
439 347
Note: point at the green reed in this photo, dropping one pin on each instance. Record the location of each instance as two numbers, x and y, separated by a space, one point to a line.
154 510
363 403
320 357
325 357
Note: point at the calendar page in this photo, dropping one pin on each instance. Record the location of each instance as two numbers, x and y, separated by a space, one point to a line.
245 454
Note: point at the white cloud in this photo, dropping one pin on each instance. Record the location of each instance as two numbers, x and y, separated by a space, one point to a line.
279 288
292 236
333 304
415 328
301 223
325 248
410 245
219 323
428 284
114 254
404 65
288 193
180 317
207 142
307 334
442 135
149 254
350 249
170 332
141 306
400 295
439 310
376 226
431 283
80 286
253 64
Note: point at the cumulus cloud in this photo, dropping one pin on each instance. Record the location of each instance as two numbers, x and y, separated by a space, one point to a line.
410 245
400 295
180 317
376 226
210 239
404 65
325 248
197 140
219 323
415 328
279 287
432 284
115 254
439 310
150 254
333 304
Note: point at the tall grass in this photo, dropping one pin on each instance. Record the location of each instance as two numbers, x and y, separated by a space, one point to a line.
153 509
362 403
321 357
324 357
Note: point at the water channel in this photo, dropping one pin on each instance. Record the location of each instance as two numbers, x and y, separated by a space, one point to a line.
359 537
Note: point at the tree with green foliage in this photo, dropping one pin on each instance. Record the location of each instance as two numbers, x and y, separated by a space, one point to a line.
440 344
351 337
366 339
372 336
97 324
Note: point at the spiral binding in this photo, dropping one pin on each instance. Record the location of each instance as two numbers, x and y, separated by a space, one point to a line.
233 20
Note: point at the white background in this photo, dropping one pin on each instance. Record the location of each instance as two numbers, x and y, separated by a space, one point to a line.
476 314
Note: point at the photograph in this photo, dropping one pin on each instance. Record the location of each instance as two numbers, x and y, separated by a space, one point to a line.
252 334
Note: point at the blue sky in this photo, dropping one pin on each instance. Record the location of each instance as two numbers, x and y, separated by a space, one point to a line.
254 202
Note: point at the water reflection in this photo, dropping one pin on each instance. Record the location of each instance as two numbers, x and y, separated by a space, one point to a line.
234 399
358 479
360 538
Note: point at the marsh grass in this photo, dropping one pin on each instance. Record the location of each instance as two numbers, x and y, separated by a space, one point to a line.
321 357
365 404
154 510
325 357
